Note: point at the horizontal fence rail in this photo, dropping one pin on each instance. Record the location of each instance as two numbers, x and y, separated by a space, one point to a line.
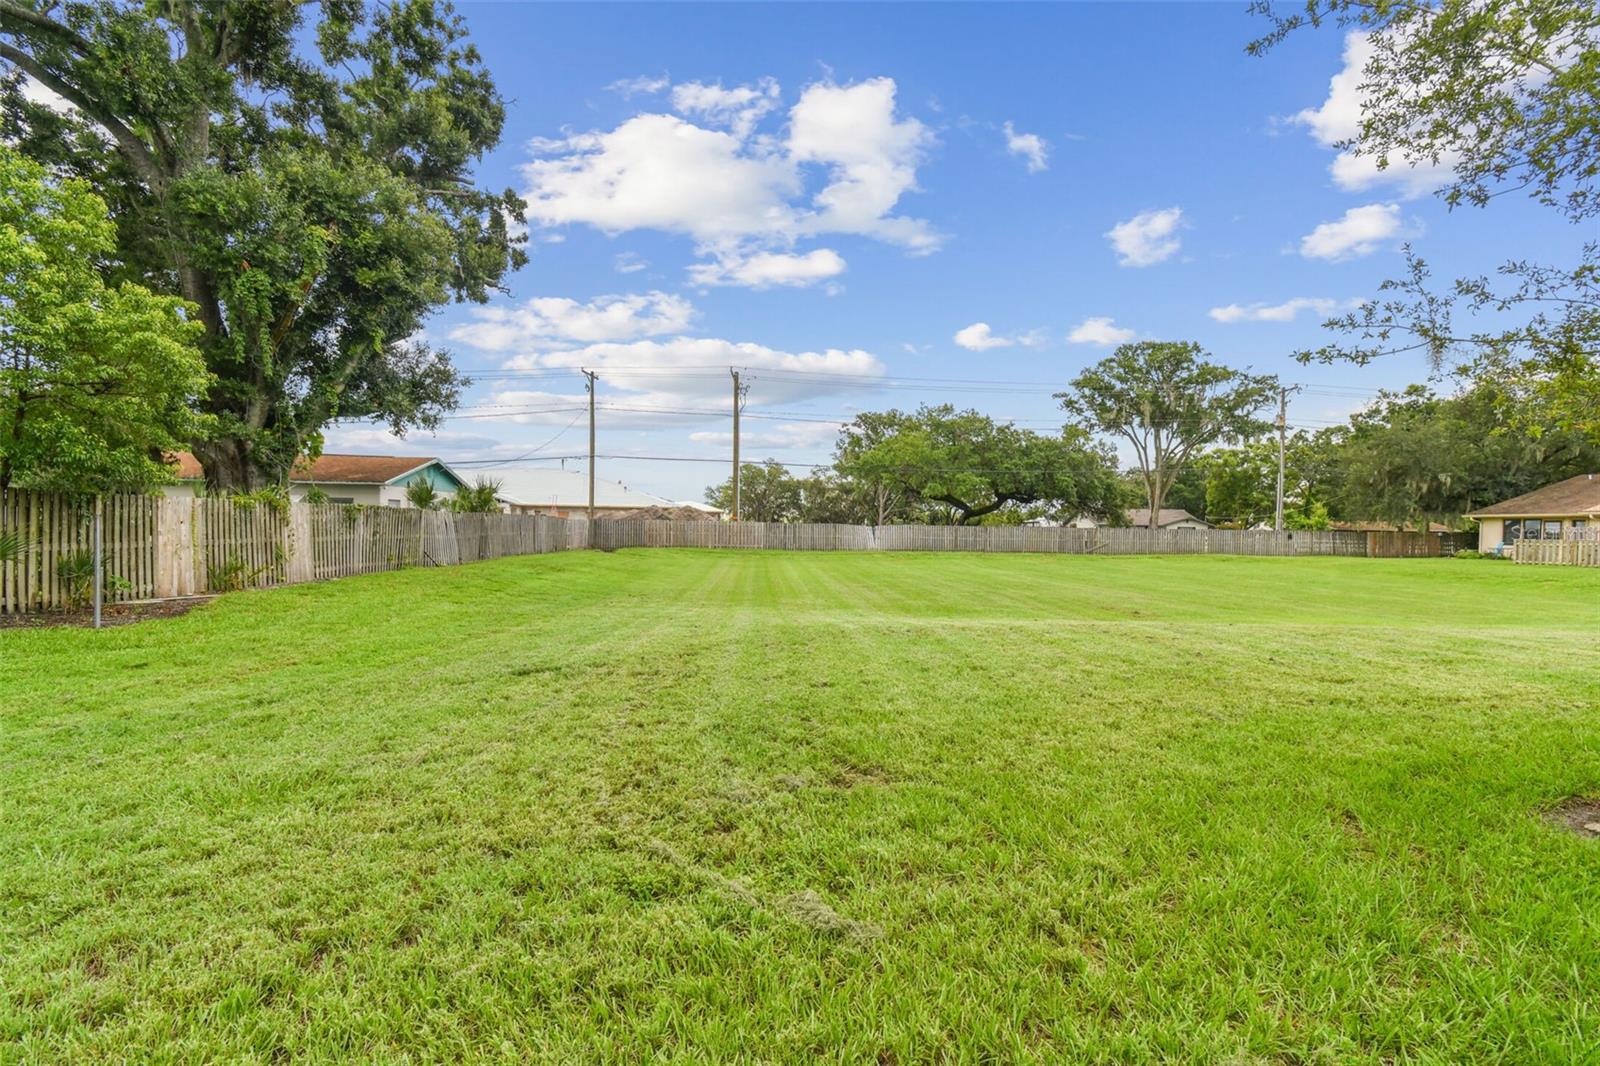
156 547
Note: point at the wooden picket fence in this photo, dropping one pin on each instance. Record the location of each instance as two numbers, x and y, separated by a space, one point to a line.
644 533
1583 551
57 531
154 547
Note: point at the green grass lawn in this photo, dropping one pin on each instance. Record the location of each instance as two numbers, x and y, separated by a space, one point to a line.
765 807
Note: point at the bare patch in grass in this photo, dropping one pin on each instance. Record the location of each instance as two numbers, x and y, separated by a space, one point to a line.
1579 814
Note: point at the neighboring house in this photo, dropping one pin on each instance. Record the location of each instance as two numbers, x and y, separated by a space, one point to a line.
565 494
1556 512
1170 518
374 480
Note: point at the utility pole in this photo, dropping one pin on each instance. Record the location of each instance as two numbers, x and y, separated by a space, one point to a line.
738 401
1283 426
589 374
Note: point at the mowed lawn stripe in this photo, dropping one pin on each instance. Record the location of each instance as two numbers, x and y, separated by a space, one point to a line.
730 805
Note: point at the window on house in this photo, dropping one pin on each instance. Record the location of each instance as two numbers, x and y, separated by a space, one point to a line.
1552 530
341 499
1513 531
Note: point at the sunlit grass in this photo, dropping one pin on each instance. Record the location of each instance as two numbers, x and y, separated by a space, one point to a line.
719 806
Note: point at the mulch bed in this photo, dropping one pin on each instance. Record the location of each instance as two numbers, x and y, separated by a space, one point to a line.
113 614
1579 814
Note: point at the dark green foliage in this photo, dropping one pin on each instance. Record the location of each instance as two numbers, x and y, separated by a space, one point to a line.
422 495
482 496
1168 401
312 212
964 465
76 574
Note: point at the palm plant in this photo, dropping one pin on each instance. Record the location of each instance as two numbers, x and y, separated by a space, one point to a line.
12 546
422 495
483 496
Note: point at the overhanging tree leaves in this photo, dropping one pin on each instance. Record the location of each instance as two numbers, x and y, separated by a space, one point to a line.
973 466
312 212
1504 94
1167 402
96 380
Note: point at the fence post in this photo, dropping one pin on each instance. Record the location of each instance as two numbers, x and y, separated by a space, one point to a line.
99 559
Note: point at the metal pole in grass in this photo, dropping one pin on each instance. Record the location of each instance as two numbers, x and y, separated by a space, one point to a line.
99 559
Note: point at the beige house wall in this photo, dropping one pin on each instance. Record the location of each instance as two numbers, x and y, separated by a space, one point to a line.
1492 531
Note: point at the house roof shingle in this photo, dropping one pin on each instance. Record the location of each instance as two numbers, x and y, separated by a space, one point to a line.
331 468
1140 516
1575 496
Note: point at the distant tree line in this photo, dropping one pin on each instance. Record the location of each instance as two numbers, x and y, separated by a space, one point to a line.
1200 444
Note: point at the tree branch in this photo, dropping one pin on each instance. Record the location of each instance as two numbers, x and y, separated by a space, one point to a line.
133 149
45 23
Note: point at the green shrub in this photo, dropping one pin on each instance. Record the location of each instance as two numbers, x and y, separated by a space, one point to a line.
233 574
422 495
76 572
481 497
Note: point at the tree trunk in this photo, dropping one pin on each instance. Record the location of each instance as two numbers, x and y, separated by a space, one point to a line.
229 467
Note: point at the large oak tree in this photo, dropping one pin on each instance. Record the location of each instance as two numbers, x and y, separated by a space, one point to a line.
970 466
299 173
1168 402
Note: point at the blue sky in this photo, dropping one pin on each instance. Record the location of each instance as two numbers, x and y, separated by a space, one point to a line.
851 190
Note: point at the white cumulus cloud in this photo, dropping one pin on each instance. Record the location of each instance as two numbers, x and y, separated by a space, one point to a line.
779 435
557 319
1359 231
739 108
666 377
763 270
1338 120
1283 312
847 160
1100 330
978 337
1030 146
1148 237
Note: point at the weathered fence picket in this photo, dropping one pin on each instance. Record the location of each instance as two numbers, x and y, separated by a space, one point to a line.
640 533
1577 551
158 547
